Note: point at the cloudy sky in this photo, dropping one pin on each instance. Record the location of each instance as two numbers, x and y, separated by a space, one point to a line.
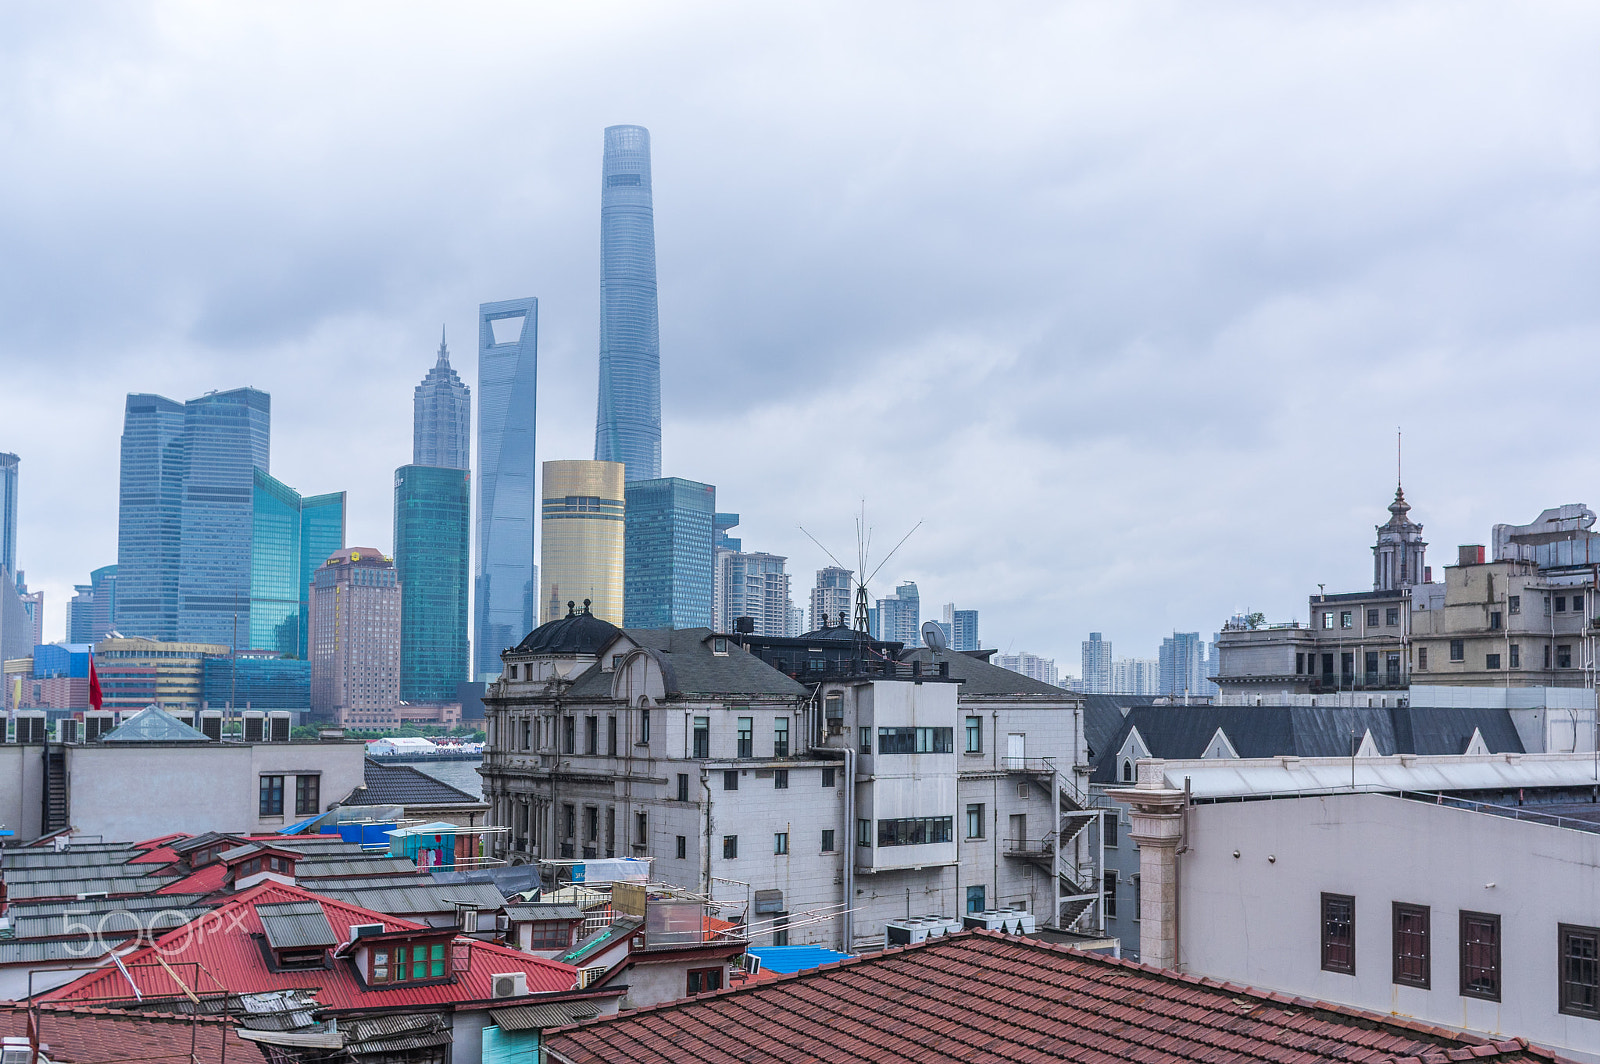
1125 301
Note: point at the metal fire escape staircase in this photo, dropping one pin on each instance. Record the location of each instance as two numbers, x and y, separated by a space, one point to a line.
1054 854
57 810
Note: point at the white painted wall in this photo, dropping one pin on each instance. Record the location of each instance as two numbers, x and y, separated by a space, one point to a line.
1255 919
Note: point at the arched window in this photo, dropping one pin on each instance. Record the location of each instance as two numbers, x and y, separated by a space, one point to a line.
1127 772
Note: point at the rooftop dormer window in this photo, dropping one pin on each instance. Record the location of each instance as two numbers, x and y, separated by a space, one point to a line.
390 963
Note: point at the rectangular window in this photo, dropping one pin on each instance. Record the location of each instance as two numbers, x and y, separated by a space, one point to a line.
702 737
1516 655
1563 656
1327 620
569 817
683 848
1108 888
974 735
1491 661
1110 827
1299 664
549 934
863 833
569 733
1347 667
1480 955
704 980
611 736
644 726
1577 603
1327 665
915 740
683 786
1494 621
1547 605
1514 605
641 829
1413 946
730 847
527 734
1422 659
1371 663
1458 650
915 830
1372 618
1391 616
1339 933
780 843
1346 619
780 737
1580 970
1561 604
307 795
865 738
975 821
730 780
591 735
976 900
271 796
780 779
827 777
747 741
827 840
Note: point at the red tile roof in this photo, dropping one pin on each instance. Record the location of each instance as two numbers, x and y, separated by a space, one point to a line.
207 880
217 952
98 1036
986 998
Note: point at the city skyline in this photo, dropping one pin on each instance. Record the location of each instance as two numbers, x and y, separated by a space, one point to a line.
1152 260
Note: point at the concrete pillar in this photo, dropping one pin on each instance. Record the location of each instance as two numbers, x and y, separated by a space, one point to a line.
1156 824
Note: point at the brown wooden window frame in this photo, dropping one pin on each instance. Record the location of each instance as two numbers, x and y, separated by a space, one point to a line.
1400 975
1328 943
704 980
1564 934
1493 920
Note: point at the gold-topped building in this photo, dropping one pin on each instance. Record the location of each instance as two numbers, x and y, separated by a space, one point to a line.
581 510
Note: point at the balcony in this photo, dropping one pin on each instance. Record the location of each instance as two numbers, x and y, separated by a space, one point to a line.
1331 682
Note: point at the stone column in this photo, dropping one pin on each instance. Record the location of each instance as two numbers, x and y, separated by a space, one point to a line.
1156 819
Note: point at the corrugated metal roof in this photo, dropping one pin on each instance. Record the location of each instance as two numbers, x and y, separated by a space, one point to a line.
295 925
67 888
319 868
1280 776
424 898
543 911
106 922
538 1017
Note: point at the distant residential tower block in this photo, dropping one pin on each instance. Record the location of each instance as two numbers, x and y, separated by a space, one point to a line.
1096 665
832 597
355 639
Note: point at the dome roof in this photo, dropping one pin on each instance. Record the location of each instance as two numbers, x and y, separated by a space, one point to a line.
576 633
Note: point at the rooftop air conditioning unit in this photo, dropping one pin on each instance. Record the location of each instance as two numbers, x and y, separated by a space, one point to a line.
30 726
502 922
255 727
15 1050
211 724
278 726
97 724
362 930
183 715
908 932
752 964
68 730
509 984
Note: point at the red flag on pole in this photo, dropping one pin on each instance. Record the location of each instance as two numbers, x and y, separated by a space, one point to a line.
96 699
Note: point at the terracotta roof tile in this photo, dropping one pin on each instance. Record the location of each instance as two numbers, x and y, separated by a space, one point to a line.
101 1035
1020 1002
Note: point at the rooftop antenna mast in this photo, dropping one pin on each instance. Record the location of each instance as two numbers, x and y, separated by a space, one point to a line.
863 554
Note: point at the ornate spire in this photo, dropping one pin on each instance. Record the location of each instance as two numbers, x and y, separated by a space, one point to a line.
444 352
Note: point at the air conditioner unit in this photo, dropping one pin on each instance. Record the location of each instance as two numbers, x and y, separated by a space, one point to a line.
255 727
905 932
68 730
509 984
15 1050
279 724
362 930
752 963
211 724
587 977
502 922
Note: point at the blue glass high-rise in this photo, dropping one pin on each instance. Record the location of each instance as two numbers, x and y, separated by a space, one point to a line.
291 537
628 424
505 581
442 418
432 545
150 517
667 563
8 513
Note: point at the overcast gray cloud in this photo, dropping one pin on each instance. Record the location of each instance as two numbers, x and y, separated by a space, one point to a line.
1124 300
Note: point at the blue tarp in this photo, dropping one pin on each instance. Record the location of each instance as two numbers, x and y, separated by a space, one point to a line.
295 829
787 959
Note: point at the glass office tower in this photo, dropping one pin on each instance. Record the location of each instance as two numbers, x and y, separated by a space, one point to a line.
290 538
628 425
506 577
667 573
150 517
582 535
8 513
442 417
226 437
432 545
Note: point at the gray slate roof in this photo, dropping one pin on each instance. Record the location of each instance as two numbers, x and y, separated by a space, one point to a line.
296 925
693 670
981 678
424 897
404 785
1102 716
1306 731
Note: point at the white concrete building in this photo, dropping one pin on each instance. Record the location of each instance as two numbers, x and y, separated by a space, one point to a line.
1462 891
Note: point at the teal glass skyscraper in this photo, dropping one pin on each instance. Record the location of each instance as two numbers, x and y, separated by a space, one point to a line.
290 538
150 517
505 581
432 542
628 425
8 513
667 555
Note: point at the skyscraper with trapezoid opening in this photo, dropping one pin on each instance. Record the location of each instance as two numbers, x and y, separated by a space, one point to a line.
628 425
506 578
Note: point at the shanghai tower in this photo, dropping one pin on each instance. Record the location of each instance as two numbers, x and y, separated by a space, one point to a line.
628 426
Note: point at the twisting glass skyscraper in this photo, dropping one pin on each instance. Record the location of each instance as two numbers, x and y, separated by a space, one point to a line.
442 430
506 578
628 426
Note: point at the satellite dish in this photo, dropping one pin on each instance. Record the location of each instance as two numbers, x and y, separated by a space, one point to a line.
933 637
